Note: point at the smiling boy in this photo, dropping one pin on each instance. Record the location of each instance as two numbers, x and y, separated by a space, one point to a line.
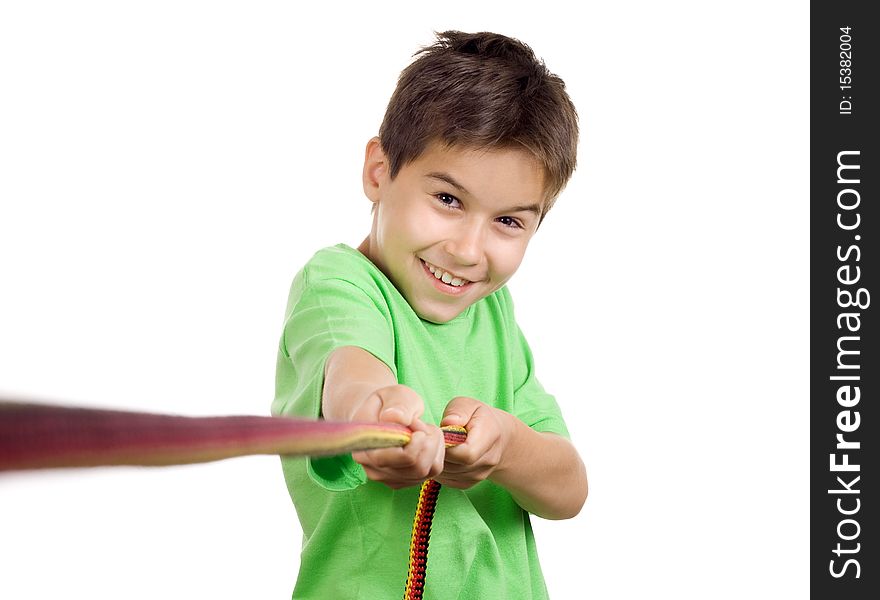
416 327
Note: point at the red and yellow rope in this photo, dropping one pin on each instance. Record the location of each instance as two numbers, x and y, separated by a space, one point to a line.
37 436
421 531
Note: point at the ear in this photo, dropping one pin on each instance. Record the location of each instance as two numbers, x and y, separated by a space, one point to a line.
375 169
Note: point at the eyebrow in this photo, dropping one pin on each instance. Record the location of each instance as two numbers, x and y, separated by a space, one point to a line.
449 179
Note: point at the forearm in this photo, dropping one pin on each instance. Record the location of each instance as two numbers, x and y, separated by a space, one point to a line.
360 387
542 471
351 376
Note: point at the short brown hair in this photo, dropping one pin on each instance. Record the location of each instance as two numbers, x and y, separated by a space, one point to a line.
482 91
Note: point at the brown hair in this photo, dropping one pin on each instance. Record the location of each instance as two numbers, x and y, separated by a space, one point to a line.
483 91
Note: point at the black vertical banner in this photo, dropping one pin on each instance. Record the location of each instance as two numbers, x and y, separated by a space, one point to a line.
844 301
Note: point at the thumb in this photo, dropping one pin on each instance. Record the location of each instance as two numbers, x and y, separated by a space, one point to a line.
400 404
459 411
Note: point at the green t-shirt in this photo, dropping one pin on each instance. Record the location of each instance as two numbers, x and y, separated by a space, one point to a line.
356 532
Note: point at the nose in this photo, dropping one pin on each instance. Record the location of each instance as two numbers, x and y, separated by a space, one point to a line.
466 244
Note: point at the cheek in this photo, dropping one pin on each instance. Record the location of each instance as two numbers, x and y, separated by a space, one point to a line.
508 259
422 225
395 227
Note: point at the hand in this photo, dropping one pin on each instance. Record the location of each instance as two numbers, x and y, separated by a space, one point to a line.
488 434
420 459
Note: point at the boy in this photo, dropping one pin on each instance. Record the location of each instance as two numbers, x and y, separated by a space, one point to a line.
416 327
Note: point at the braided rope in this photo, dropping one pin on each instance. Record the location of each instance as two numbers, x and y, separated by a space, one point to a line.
421 531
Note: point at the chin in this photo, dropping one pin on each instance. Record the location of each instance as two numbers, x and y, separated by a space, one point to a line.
439 317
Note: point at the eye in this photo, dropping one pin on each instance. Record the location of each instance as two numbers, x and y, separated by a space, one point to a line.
510 222
448 200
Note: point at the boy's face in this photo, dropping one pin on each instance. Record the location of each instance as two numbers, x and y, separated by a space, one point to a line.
454 224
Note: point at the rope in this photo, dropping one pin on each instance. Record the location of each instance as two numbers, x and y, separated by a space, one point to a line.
421 531
38 436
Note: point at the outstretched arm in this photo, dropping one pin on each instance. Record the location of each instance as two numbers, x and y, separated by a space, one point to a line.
542 471
360 387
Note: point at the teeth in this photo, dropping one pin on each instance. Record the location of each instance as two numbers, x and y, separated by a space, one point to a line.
445 277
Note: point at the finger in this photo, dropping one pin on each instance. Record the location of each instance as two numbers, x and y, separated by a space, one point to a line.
439 444
400 404
452 469
483 434
390 479
459 482
377 458
459 411
427 451
480 439
400 459
418 460
419 425
464 455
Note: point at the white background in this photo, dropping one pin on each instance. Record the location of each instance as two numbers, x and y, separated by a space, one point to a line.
166 168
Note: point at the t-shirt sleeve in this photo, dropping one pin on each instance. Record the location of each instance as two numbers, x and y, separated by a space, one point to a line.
329 314
532 404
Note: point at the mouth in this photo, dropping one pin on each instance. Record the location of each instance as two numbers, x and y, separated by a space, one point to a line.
450 282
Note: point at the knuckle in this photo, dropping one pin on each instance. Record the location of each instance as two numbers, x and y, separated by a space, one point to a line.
469 456
403 392
423 471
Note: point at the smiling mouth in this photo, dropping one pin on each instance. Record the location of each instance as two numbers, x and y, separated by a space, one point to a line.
445 276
